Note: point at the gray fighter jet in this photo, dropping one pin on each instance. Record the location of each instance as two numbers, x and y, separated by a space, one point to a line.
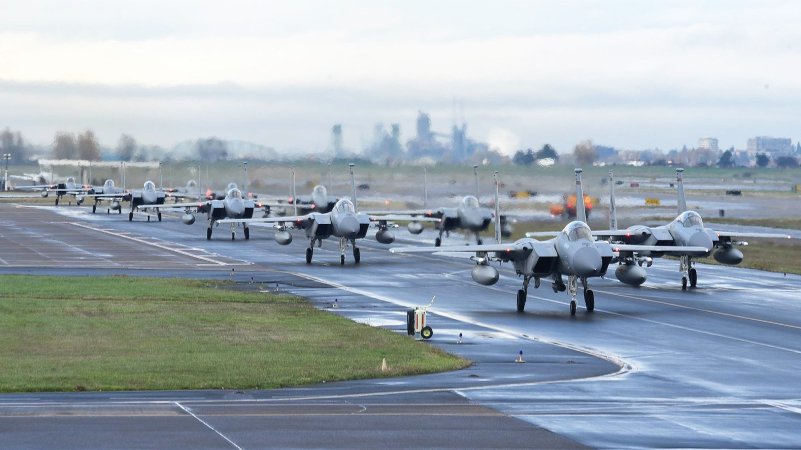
469 216
108 193
233 206
317 201
687 229
343 222
146 200
572 253
69 187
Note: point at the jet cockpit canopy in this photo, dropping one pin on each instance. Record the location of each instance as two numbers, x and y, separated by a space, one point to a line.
344 206
470 202
577 230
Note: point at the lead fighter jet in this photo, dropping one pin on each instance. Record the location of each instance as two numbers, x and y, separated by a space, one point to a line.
343 222
572 252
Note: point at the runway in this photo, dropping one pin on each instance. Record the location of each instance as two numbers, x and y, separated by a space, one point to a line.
652 366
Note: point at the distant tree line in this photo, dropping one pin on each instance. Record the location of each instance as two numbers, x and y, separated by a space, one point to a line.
11 142
528 157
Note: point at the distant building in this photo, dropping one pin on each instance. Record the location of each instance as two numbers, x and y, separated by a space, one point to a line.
335 144
770 145
708 143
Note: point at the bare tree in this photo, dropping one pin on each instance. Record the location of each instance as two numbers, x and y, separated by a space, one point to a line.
126 147
88 147
584 153
64 146
12 142
211 149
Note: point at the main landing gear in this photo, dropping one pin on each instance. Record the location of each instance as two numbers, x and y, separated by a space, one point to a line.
438 240
572 289
688 272
343 244
523 293
310 250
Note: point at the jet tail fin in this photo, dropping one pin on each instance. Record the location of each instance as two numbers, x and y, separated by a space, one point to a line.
475 173
294 193
612 212
682 203
425 187
581 214
353 187
497 211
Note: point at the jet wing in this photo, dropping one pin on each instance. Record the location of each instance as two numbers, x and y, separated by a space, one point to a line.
183 205
460 248
257 220
536 234
410 212
732 234
120 195
657 248
513 251
402 218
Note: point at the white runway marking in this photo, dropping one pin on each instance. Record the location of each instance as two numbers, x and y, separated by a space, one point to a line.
157 245
188 411
625 367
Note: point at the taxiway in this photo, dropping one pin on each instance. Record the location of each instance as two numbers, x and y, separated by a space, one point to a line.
652 366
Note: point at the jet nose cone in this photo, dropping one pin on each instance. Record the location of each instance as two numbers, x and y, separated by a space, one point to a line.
586 262
701 239
472 220
348 227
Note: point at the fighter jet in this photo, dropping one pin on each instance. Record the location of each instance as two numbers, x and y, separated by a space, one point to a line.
317 201
687 229
147 199
41 178
469 216
232 206
69 187
572 252
107 193
342 222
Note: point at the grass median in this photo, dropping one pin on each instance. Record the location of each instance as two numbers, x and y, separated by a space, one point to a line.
127 333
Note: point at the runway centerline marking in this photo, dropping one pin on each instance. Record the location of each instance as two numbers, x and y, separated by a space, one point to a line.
157 245
188 411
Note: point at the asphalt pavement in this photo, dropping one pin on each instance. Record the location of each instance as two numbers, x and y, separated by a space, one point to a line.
714 366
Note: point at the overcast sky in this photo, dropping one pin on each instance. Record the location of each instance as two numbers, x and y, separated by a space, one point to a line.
627 74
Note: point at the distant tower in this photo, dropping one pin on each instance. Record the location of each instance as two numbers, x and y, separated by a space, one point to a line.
335 146
459 143
423 127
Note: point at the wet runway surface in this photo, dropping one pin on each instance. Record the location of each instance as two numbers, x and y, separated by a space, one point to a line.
652 366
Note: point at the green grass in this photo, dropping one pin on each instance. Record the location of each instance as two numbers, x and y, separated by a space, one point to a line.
125 333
